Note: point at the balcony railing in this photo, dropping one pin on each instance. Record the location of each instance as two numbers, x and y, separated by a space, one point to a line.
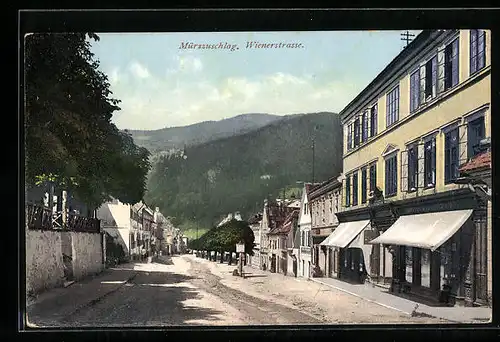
43 219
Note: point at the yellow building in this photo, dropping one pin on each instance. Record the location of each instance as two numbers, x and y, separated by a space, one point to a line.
405 136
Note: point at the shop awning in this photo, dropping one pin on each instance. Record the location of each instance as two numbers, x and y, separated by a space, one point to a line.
428 231
345 233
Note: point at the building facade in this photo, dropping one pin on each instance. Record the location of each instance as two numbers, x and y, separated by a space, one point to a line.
305 250
325 201
405 136
280 239
254 223
477 172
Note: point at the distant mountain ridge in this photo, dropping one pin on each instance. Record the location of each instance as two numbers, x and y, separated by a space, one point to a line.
174 138
236 173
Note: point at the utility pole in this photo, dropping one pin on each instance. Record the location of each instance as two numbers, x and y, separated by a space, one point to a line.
313 160
407 37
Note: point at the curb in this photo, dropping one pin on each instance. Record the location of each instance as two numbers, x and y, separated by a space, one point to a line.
414 313
358 296
98 299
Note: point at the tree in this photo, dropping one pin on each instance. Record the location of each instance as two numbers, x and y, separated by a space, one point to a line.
225 238
69 137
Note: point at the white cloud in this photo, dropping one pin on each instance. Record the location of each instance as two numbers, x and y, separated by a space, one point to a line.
179 101
139 71
114 76
185 64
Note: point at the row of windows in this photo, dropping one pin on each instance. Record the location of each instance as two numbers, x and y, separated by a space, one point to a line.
438 74
368 184
475 133
363 128
321 204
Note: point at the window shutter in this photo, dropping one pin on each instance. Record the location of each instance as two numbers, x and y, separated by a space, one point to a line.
421 167
481 49
434 76
454 62
404 170
473 51
422 85
342 196
440 71
462 144
369 122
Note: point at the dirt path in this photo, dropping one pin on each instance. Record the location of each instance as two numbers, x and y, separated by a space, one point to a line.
255 310
323 303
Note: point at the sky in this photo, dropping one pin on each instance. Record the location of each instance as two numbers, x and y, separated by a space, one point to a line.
163 85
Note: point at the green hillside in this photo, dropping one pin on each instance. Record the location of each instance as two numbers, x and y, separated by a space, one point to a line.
237 173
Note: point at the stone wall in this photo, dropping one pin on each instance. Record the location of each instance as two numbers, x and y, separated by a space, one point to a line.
87 258
44 260
44 257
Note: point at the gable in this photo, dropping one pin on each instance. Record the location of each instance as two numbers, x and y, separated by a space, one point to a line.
390 148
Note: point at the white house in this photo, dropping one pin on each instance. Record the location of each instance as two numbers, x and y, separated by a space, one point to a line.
254 222
304 253
124 223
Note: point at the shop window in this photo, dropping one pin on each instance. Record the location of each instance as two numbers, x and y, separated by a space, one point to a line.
425 267
409 264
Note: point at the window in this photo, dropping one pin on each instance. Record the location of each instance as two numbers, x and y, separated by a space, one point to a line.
413 168
356 132
475 133
363 185
373 177
355 188
349 136
425 267
430 78
305 208
451 65
430 163
348 191
408 264
373 121
451 156
391 176
414 91
364 127
477 50
392 113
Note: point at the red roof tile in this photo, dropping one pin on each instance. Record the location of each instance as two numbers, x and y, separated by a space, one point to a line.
285 227
480 161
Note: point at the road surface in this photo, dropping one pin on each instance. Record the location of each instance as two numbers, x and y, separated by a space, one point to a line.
185 290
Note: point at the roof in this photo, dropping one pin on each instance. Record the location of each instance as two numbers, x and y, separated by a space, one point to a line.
286 226
255 219
410 49
324 187
480 161
276 214
310 187
294 204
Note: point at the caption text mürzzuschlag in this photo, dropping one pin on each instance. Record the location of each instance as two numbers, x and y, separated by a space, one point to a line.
234 47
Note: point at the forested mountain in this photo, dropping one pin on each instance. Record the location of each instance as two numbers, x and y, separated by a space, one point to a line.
166 139
236 173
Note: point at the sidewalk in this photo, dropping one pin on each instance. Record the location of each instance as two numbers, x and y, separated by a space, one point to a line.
56 304
382 297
